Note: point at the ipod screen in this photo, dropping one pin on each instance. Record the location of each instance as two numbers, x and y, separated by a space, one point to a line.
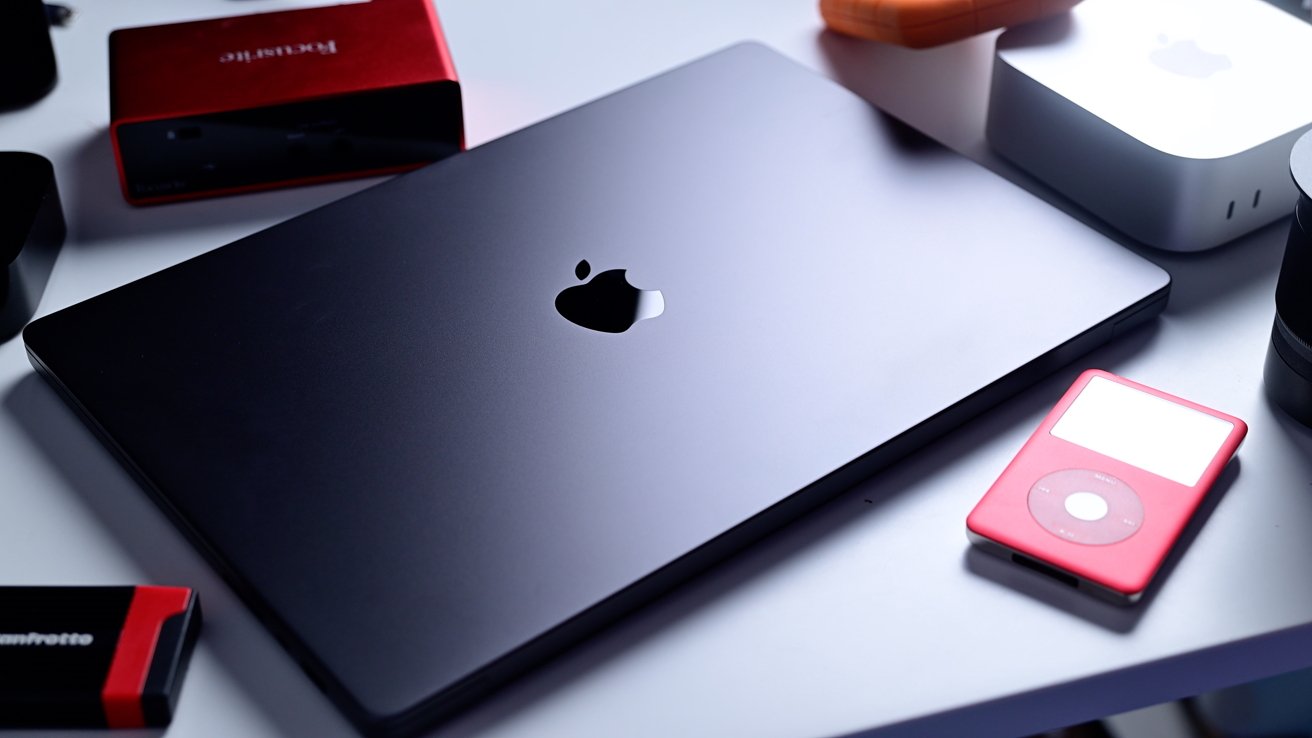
1143 430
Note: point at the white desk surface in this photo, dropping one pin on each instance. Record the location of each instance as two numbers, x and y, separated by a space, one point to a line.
872 614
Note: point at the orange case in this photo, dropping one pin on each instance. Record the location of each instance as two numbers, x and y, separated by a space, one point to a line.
922 23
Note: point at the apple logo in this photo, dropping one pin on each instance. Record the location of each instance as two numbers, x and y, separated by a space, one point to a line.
607 303
1185 57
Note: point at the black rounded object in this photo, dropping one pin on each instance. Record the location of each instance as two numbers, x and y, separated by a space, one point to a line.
32 230
27 56
1288 372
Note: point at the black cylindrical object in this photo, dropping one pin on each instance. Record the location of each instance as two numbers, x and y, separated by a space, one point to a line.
31 231
1288 371
27 57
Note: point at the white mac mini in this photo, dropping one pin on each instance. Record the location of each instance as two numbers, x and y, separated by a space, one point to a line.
1170 119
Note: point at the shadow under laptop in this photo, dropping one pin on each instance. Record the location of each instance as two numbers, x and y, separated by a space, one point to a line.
239 643
93 195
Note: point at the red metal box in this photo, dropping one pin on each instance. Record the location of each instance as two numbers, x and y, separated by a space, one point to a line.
252 102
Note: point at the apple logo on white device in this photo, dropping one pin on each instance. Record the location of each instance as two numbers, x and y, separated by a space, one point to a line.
1185 57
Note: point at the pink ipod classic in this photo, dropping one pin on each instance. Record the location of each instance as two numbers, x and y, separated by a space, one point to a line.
1099 494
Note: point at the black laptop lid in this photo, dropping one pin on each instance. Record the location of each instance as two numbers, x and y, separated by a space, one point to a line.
375 421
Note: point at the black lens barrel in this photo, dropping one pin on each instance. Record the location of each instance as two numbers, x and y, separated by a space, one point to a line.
1288 372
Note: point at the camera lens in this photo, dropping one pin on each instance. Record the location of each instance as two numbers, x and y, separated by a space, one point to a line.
1288 372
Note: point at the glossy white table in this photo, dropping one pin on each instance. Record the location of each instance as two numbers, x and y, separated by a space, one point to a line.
872 614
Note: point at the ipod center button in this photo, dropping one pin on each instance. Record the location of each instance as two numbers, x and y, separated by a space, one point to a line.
1086 506
1066 504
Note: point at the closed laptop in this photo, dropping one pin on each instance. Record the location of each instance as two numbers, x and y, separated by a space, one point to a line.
439 430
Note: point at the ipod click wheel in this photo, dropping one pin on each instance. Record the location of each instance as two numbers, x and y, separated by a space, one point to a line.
1101 492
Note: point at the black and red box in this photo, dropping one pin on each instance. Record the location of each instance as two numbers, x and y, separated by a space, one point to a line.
251 102
94 656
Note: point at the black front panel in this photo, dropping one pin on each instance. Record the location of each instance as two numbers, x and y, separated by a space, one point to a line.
317 138
56 645
177 641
